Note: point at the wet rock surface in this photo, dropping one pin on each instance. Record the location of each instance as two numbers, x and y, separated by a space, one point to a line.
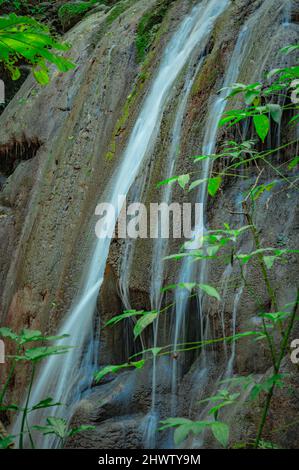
47 223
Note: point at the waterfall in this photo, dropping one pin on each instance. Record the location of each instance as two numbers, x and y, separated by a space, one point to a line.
65 377
161 245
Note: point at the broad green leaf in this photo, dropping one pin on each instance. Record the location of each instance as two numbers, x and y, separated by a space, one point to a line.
6 442
221 432
183 180
181 433
30 335
23 37
57 426
144 321
262 125
8 333
41 76
173 422
210 290
260 189
293 163
251 95
213 250
269 261
213 185
275 112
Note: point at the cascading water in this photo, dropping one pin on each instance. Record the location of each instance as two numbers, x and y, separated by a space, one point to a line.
239 54
62 376
160 249
189 270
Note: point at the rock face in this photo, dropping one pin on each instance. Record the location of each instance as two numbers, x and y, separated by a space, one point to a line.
81 122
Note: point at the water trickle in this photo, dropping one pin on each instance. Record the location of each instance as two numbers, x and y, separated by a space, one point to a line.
189 270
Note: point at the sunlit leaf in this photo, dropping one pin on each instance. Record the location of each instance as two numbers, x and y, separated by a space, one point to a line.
144 321
262 125
214 184
221 432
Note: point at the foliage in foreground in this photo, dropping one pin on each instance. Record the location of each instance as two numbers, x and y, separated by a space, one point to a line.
263 111
25 353
22 38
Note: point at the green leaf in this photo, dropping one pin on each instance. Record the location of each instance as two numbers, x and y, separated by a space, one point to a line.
269 261
6 442
183 180
41 76
11 407
26 336
181 433
210 290
56 426
256 192
213 185
181 285
275 112
262 125
112 369
196 183
8 333
173 179
293 163
22 37
289 49
82 428
144 321
122 316
251 95
38 354
221 432
173 422
275 316
47 403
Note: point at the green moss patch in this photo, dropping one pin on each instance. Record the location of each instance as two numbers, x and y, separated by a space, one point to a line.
70 13
118 10
148 28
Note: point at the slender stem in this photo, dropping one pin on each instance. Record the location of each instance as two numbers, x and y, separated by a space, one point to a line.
9 377
284 347
25 411
5 387
29 432
260 256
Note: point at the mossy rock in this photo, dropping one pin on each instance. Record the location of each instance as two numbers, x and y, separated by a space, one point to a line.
71 13
149 26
